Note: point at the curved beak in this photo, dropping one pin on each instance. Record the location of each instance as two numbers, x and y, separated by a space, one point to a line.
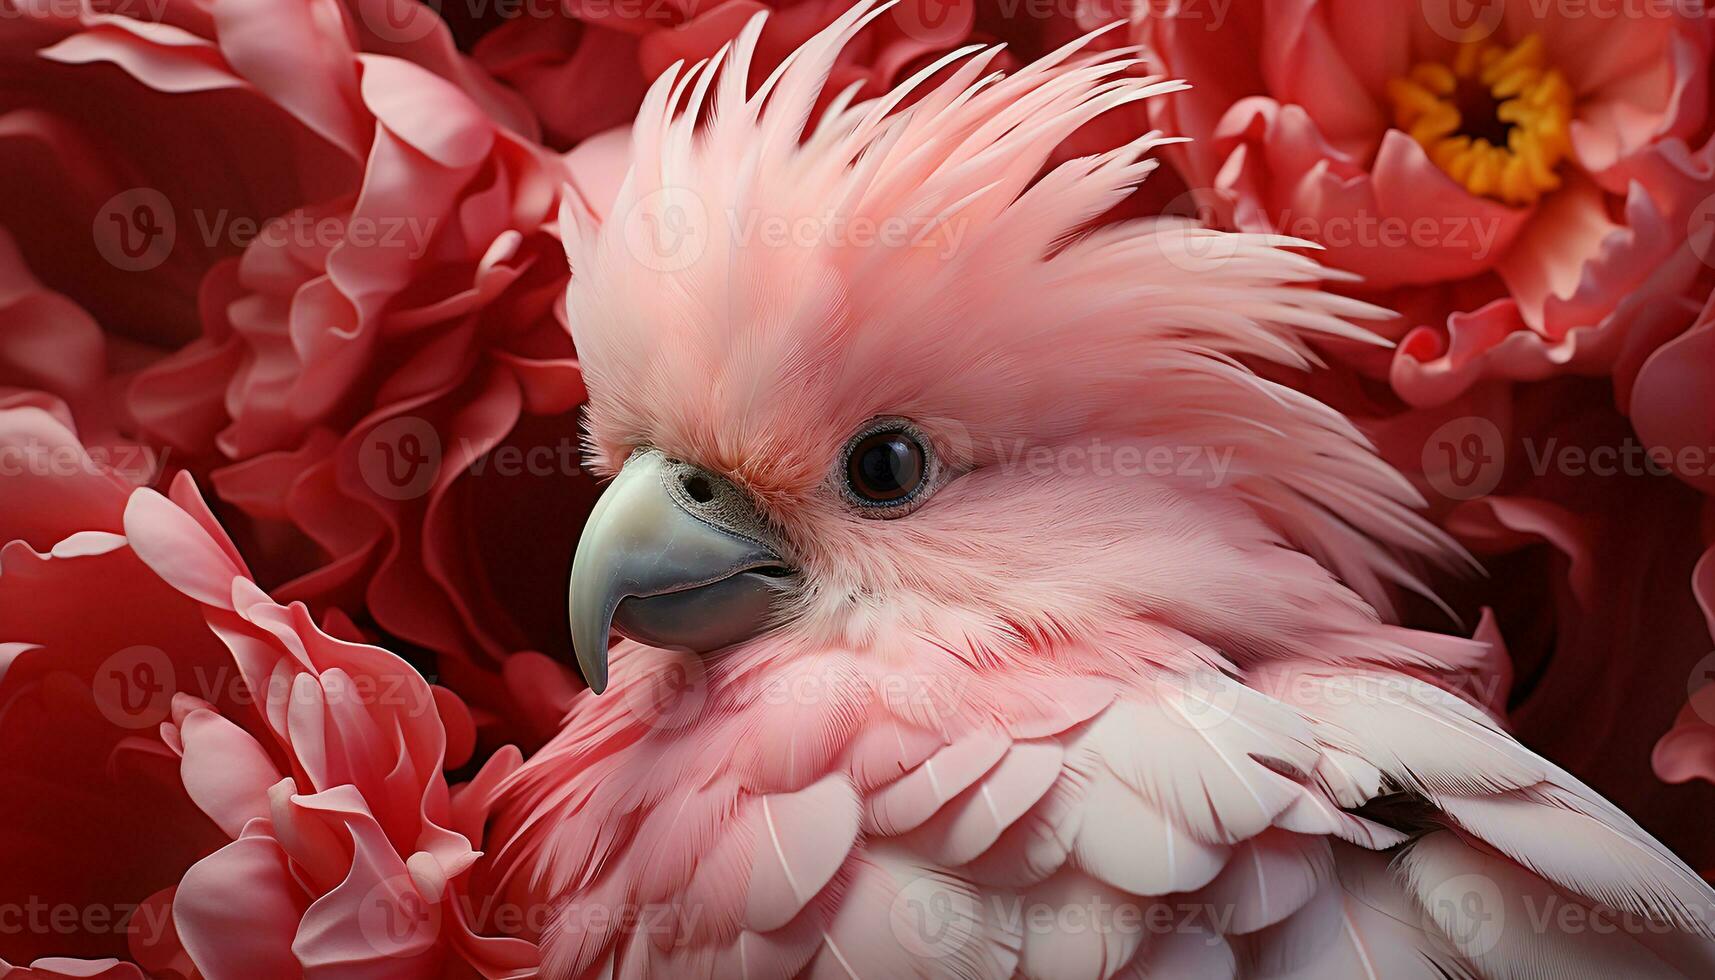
672 556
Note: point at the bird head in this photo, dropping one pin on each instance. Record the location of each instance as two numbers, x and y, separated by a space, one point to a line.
885 383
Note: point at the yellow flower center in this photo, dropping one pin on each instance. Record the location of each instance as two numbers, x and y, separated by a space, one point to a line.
1497 120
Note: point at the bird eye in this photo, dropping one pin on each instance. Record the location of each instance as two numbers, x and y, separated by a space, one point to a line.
887 465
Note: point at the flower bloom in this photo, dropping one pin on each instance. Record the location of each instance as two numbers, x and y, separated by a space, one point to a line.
1521 182
215 785
348 331
1672 409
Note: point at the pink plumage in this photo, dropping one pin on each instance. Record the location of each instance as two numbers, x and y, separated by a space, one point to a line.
1062 683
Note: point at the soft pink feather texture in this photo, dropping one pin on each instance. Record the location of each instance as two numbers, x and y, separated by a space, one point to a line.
1055 687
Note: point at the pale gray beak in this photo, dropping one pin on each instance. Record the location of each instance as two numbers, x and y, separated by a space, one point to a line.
672 556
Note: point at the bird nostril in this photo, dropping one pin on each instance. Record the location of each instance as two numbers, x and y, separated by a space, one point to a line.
699 490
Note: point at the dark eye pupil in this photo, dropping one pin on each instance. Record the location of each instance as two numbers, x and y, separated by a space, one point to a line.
885 467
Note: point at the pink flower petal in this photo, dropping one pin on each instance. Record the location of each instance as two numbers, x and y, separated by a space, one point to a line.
298 55
1673 406
237 911
158 55
426 112
171 543
225 771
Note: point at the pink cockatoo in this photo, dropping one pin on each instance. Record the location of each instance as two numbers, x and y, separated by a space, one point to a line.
988 616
